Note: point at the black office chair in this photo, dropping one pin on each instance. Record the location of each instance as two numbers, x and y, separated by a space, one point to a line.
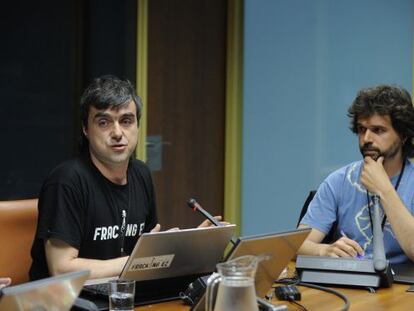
330 237
305 205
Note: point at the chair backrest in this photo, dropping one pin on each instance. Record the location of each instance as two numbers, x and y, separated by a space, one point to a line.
18 221
305 205
330 237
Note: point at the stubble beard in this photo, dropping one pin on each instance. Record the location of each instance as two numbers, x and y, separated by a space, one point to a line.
375 153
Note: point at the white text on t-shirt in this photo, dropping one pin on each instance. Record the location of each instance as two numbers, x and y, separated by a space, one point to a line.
112 232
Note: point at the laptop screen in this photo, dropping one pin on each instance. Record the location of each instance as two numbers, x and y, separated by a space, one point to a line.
177 253
53 293
403 273
281 248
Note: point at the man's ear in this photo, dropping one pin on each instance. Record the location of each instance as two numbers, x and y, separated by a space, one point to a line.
84 131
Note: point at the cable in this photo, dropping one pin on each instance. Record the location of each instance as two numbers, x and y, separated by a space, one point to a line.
296 281
302 307
329 290
293 281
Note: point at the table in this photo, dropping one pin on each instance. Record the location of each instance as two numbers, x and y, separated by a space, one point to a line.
394 298
390 299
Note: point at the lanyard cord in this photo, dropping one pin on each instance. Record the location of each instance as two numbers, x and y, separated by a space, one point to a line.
124 215
369 200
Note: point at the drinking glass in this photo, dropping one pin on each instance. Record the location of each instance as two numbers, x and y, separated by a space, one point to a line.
121 295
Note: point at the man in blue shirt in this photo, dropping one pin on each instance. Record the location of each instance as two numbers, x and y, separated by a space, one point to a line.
383 119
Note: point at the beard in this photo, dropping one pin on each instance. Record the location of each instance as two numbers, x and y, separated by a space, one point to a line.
367 150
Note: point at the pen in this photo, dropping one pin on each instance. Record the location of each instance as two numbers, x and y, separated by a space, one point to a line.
344 235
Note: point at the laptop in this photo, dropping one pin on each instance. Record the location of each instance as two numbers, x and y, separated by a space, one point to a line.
164 263
403 273
281 248
53 293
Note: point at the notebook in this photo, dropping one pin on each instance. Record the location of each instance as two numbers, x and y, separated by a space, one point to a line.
403 273
53 293
164 263
281 247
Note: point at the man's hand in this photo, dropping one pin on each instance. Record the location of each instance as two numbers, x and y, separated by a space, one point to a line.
204 224
157 228
343 247
374 177
208 223
4 282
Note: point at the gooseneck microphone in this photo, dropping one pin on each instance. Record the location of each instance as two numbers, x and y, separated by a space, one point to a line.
195 206
379 259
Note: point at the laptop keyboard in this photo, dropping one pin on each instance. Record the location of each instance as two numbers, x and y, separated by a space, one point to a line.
146 292
100 289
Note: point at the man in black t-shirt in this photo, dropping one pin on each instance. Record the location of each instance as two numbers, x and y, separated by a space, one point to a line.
92 209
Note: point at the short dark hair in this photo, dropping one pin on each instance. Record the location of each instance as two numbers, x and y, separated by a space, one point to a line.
385 100
106 92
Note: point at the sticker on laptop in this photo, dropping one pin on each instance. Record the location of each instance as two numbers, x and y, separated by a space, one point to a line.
153 262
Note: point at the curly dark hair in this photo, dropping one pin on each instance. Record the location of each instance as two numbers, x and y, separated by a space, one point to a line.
386 100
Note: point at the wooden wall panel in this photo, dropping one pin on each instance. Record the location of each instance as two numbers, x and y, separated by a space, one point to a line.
186 104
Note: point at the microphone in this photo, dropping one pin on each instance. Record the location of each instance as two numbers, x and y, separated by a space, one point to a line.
379 259
195 206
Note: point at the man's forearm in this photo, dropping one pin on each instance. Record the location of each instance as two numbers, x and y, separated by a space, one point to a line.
62 258
311 248
401 220
98 268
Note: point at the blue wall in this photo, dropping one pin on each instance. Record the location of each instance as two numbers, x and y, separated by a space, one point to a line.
304 61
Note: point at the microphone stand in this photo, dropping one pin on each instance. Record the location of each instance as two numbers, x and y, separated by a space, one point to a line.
380 262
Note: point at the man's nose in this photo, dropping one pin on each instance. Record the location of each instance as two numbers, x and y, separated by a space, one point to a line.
116 131
367 136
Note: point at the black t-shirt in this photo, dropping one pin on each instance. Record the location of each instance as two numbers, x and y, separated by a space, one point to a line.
81 207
